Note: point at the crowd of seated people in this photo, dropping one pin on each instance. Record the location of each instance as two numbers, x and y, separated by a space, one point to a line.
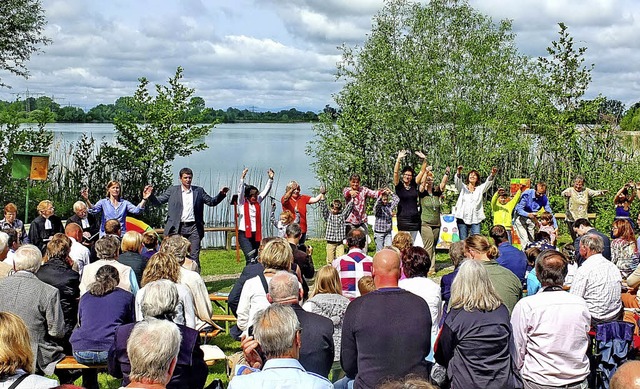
506 316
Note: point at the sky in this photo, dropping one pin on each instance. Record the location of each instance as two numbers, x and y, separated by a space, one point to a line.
281 54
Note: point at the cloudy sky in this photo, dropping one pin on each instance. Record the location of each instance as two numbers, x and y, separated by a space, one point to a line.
280 54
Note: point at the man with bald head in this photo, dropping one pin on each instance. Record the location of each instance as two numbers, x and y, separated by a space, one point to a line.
627 376
385 333
79 252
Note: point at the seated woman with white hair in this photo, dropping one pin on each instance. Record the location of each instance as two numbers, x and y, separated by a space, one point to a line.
164 266
476 336
159 302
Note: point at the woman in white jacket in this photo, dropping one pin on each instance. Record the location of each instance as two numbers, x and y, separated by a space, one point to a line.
469 211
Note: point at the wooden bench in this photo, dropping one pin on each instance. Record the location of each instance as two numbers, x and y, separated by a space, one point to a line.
69 362
229 233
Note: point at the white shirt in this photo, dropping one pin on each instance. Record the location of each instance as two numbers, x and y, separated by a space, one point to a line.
187 205
550 336
599 283
80 255
253 299
430 293
469 205
193 281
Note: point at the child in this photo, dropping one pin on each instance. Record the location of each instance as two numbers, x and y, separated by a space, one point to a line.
149 244
366 285
502 208
384 220
546 225
286 218
335 231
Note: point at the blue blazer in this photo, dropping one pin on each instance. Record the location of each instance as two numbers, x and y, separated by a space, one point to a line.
173 196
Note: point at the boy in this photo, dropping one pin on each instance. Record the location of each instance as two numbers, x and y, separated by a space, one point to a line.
384 218
335 232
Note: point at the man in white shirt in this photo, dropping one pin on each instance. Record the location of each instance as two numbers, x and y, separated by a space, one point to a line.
550 330
598 282
79 252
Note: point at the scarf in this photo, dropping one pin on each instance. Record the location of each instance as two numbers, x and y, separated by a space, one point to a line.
247 221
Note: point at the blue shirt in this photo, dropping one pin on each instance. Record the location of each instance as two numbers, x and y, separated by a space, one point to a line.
110 212
282 373
529 203
533 285
513 259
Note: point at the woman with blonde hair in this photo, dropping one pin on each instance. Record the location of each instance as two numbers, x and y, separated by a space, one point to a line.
44 226
276 255
507 284
327 300
164 266
130 248
114 207
476 336
16 357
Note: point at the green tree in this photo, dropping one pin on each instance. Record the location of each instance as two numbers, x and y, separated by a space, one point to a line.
441 78
21 33
151 132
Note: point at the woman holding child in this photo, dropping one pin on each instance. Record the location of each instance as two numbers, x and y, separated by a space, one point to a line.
296 203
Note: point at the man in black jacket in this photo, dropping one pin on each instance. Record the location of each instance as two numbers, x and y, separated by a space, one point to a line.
186 210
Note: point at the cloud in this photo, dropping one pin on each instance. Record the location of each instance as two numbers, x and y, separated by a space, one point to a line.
282 53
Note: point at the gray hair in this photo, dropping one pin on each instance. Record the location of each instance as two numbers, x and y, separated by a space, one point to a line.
4 241
78 205
28 258
152 346
107 247
472 289
593 242
284 286
176 245
275 329
457 252
160 299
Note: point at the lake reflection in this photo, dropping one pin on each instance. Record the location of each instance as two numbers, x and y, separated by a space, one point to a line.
233 147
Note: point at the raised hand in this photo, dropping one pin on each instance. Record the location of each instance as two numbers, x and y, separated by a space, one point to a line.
244 172
494 171
402 153
146 192
271 173
421 154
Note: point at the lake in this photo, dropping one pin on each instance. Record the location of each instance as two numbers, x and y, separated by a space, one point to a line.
231 148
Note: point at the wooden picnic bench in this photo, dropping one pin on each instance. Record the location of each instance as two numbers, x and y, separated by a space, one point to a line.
69 362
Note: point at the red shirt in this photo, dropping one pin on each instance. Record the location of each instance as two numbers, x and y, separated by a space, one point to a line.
301 205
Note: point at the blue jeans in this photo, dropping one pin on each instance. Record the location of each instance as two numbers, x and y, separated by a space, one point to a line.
344 383
91 357
382 239
466 230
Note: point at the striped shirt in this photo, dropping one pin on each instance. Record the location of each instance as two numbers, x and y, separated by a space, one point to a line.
351 267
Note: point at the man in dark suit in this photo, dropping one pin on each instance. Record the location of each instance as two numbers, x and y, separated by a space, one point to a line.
89 223
186 209
316 352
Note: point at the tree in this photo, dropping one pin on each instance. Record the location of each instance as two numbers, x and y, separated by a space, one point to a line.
21 33
440 77
150 133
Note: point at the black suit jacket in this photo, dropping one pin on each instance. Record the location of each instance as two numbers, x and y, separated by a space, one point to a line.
316 351
39 236
173 196
94 225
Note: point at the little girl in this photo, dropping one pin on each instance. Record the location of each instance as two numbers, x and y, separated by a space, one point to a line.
546 225
286 218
